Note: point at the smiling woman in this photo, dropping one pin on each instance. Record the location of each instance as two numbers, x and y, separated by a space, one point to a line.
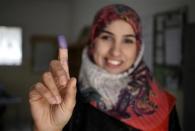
115 80
115 48
116 90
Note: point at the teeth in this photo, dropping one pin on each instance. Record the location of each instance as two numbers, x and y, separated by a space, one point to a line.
114 62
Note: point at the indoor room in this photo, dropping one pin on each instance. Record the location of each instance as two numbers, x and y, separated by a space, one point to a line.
29 31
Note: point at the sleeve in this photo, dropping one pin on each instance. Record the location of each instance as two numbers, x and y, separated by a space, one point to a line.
174 121
77 120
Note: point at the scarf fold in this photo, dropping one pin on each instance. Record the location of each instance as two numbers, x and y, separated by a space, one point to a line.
131 97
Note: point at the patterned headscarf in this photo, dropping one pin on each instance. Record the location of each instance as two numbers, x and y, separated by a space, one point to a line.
113 12
131 97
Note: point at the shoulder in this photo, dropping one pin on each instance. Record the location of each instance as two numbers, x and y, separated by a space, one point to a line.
87 118
174 124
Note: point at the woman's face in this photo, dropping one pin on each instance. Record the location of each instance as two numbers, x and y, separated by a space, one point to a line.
115 48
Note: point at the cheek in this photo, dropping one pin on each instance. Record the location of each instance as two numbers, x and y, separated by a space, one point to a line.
98 54
100 49
131 55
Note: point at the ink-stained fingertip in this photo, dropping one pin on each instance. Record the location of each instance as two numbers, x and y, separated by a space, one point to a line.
62 43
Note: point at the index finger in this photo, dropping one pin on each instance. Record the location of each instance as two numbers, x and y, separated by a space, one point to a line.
59 73
63 53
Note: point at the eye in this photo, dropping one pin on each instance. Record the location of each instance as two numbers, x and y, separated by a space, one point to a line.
106 37
129 40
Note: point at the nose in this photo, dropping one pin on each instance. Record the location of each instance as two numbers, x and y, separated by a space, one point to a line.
115 49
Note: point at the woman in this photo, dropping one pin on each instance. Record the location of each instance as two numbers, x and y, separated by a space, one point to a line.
115 90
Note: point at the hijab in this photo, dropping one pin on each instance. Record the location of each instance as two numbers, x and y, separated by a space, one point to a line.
132 97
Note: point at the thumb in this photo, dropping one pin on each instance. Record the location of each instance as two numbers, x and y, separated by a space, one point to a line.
69 97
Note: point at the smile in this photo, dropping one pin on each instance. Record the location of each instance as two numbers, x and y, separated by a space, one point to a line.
114 62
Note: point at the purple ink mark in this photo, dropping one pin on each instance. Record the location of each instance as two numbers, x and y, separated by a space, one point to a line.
62 43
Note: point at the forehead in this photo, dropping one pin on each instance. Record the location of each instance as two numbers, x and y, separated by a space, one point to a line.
119 27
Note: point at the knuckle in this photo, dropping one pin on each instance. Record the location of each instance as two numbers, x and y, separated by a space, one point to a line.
60 73
53 63
30 93
38 85
46 75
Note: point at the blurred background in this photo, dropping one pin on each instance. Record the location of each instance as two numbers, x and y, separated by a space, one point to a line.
28 31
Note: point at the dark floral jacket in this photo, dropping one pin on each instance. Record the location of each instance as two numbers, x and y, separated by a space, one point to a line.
87 118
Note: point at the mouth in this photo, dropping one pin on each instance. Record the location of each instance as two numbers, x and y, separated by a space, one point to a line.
113 63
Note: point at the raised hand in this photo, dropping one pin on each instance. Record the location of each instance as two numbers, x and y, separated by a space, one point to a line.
52 100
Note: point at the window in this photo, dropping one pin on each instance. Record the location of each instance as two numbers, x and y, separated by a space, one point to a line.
10 45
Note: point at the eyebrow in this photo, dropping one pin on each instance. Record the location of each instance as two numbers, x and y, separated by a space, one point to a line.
108 32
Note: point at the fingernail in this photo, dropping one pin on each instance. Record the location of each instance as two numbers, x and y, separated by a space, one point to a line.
58 99
62 41
62 80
